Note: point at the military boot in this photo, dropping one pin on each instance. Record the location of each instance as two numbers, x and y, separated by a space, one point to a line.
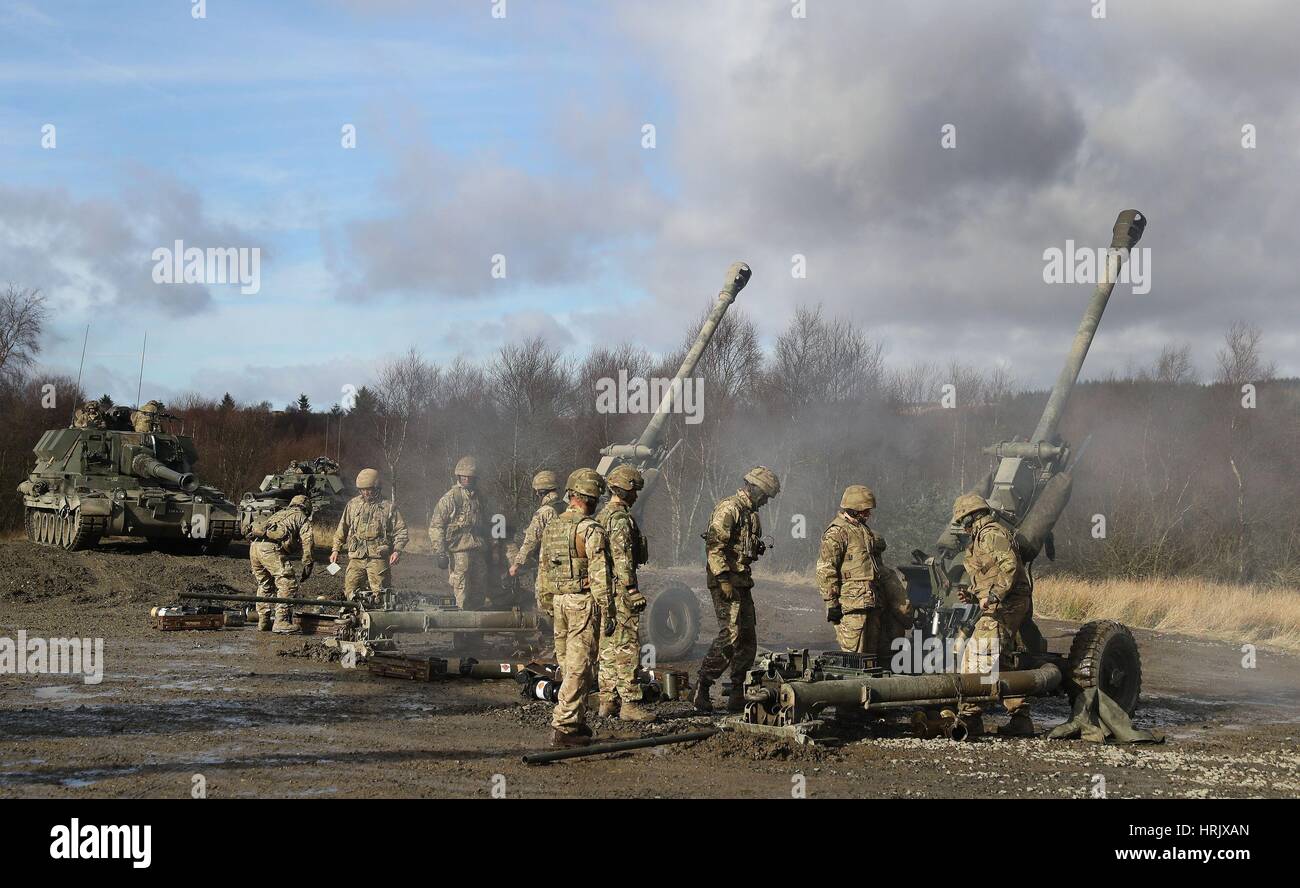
736 697
609 708
284 626
264 622
1020 725
561 740
633 711
701 699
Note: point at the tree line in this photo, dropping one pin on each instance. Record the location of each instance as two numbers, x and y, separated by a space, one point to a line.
1180 475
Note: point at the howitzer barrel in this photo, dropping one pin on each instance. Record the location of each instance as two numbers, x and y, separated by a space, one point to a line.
1127 232
737 276
145 466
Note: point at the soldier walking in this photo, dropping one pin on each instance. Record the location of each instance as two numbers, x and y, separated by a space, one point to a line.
285 534
545 484
575 558
374 533
620 652
999 583
458 533
732 543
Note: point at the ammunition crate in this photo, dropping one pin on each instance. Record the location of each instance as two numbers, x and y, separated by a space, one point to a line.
314 624
176 622
410 668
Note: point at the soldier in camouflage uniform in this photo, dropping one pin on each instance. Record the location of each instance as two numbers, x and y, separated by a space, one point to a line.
286 535
545 484
620 694
90 415
148 418
733 542
999 583
375 535
850 574
575 558
458 532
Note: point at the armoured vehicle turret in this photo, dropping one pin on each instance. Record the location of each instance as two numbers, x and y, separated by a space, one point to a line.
100 477
317 479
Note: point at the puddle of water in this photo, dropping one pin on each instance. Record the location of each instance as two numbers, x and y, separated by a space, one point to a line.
68 693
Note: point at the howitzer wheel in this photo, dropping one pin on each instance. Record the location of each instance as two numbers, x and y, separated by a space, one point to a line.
1105 655
672 622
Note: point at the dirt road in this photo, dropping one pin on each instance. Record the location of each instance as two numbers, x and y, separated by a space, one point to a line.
236 713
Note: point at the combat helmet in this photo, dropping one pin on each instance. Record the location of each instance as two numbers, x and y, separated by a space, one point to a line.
367 478
626 477
764 479
967 504
300 500
545 480
857 498
586 482
467 466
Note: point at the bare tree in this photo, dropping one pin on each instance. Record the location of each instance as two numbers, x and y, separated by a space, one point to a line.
22 317
1240 360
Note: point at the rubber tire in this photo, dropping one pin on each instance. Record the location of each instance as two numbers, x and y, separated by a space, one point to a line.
672 622
1105 651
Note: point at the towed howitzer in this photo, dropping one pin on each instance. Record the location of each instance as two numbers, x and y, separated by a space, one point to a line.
648 453
672 617
1028 490
1030 485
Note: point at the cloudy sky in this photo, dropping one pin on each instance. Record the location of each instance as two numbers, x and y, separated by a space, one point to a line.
523 136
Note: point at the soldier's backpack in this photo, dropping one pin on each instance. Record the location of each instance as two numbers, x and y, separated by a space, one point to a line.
269 529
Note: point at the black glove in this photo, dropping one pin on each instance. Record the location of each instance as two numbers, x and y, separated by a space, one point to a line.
442 560
609 625
635 601
307 568
834 613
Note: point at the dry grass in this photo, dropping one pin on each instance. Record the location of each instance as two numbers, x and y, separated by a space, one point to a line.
1195 607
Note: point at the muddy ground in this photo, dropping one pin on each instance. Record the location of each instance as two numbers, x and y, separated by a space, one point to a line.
247 714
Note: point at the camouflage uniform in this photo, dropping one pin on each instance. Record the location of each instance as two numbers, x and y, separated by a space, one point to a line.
373 531
146 419
552 506
998 578
575 558
620 653
90 415
288 537
850 574
458 529
731 543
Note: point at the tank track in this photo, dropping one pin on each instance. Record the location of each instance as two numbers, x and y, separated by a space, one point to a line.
70 531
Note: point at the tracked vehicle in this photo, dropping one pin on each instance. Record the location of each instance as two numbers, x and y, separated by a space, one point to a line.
317 479
112 481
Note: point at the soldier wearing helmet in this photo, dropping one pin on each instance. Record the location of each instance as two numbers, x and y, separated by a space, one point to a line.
546 488
849 573
274 543
90 415
732 543
620 652
575 559
999 583
148 418
374 533
458 533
